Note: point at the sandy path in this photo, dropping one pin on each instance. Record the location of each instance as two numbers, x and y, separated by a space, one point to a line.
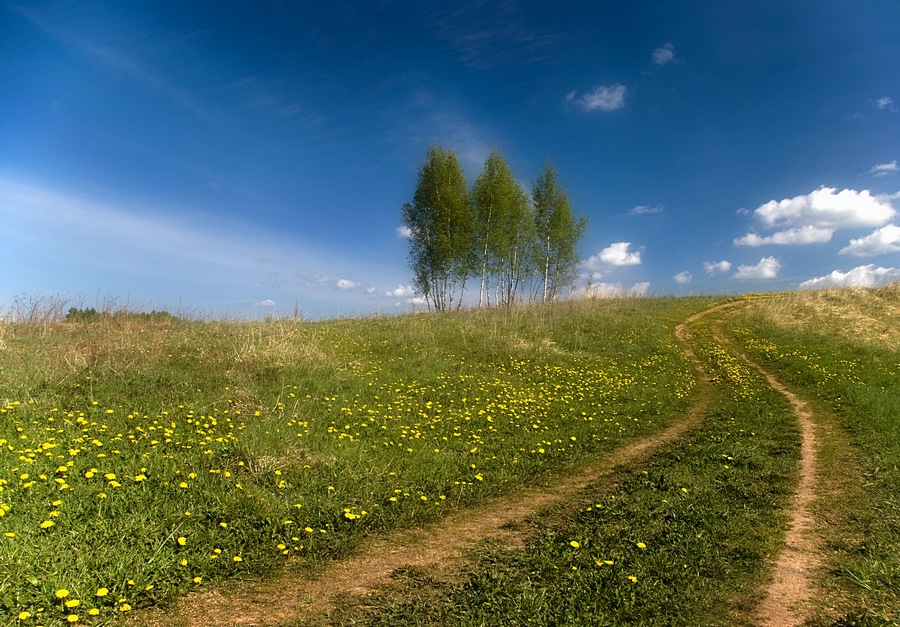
438 547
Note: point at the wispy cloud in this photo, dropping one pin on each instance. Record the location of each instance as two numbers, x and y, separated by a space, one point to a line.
121 61
861 276
883 169
489 35
885 103
645 210
767 268
881 241
801 235
663 55
602 98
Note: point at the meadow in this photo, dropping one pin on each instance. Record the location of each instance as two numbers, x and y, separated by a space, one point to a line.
145 457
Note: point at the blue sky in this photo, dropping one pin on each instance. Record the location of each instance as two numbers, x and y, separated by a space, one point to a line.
238 158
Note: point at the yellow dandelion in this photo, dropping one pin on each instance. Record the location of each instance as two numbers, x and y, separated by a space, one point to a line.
102 592
574 544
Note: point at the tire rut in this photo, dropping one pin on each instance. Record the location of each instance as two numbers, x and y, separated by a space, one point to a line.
438 547
787 596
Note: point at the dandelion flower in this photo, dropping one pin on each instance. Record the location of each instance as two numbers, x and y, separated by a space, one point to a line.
47 524
238 558
632 578
24 615
574 544
182 541
62 593
102 592
72 618
73 603
641 545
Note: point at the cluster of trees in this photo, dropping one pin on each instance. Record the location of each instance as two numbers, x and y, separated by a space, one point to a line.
516 246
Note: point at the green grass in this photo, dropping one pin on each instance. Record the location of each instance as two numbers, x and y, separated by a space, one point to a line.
687 540
288 443
854 378
149 456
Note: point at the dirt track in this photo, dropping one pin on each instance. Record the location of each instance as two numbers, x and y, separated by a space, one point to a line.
441 546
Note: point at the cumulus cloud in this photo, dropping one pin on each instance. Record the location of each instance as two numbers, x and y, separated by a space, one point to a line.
403 231
346 284
614 255
883 240
684 277
266 303
612 290
767 268
603 97
401 291
717 267
641 210
883 169
813 218
801 235
861 276
663 55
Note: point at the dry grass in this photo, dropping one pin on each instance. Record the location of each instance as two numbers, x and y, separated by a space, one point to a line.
865 315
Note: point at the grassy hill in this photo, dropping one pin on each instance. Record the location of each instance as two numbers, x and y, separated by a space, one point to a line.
144 457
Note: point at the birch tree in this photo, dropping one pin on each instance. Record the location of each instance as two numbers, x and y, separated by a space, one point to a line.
557 234
440 223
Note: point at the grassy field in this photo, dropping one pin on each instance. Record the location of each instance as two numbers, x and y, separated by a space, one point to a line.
146 456
143 457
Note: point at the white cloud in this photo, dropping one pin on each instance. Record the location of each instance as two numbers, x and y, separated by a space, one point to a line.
885 102
346 284
827 208
801 235
612 290
403 231
861 276
684 277
716 267
401 291
663 55
614 255
883 169
884 240
266 303
640 210
767 268
604 98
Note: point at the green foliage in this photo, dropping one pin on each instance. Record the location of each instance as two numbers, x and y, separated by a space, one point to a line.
504 231
515 248
557 234
440 223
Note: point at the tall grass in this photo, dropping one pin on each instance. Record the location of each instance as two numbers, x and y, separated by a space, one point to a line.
145 456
